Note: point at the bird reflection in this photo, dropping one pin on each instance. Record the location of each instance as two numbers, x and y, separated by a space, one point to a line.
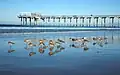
56 51
10 51
100 41
32 53
86 48
41 50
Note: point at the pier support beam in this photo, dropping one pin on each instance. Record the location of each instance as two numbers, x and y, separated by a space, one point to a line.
112 18
64 19
48 19
104 20
21 20
26 21
58 19
96 18
53 19
30 20
35 20
118 21
76 20
89 21
70 20
82 21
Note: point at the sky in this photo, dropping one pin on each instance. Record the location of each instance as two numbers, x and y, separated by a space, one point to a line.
10 8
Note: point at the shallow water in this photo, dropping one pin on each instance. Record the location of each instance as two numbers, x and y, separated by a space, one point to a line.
102 57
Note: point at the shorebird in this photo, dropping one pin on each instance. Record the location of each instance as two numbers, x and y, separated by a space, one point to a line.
94 38
51 43
61 41
31 44
73 39
62 48
41 42
27 41
10 43
73 45
84 39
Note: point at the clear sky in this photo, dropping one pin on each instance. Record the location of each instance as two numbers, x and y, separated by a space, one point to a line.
10 8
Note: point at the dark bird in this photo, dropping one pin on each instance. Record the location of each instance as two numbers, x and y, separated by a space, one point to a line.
61 41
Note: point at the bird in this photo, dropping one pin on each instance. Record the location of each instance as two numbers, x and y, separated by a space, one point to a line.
31 44
62 48
41 42
11 42
73 39
51 43
61 41
27 41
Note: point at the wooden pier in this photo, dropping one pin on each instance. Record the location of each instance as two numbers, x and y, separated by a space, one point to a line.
70 20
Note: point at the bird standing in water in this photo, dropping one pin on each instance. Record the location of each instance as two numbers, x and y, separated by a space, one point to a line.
31 46
27 41
41 42
10 43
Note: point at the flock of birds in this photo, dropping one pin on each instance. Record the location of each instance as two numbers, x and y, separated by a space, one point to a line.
56 46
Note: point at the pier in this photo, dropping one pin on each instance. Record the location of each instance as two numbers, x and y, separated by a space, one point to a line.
69 20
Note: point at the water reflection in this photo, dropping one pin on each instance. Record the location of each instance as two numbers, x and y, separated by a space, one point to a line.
56 45
100 41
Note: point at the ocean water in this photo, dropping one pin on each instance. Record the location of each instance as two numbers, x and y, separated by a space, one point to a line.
93 57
